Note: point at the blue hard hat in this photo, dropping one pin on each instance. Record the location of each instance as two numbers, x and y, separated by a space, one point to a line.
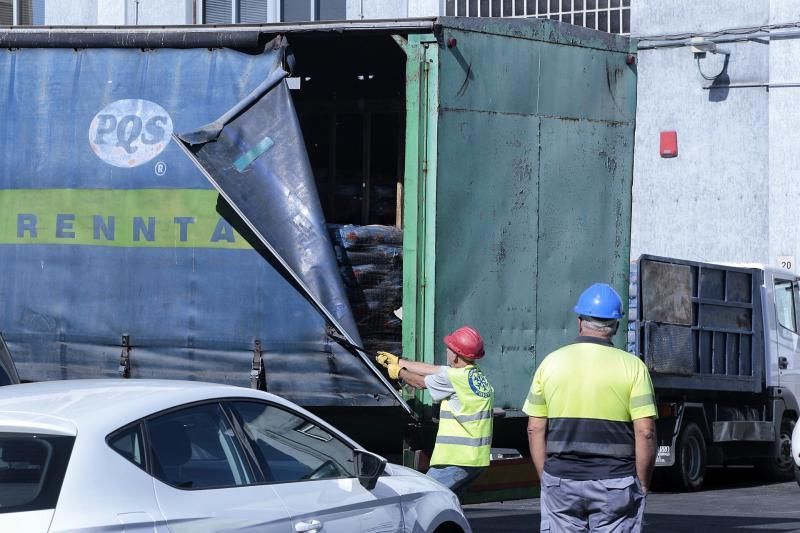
599 301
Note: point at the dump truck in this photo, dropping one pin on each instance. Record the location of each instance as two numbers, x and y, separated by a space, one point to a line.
502 148
721 343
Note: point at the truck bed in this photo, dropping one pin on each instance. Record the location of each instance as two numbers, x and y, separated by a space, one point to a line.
697 326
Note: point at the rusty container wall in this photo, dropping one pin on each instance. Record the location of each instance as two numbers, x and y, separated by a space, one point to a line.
533 185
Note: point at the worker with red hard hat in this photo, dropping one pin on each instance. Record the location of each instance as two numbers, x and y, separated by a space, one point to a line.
464 440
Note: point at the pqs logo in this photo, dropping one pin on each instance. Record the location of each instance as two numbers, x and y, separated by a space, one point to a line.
129 133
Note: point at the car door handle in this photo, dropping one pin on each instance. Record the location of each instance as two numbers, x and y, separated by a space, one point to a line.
312 526
783 363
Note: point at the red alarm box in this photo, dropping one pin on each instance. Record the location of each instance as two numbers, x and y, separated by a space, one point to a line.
668 147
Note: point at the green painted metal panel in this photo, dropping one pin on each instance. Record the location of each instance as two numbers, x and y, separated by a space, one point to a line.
419 199
533 185
529 75
584 221
474 76
486 240
586 83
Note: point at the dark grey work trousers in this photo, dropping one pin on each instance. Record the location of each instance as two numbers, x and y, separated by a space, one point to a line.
603 505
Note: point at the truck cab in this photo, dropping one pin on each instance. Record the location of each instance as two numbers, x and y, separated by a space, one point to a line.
721 343
782 334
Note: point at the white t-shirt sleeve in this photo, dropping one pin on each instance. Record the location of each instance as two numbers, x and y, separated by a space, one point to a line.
439 385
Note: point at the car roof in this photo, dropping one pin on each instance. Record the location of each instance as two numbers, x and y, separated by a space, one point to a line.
103 405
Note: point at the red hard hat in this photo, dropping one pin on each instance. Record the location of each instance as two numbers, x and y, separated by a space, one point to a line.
466 342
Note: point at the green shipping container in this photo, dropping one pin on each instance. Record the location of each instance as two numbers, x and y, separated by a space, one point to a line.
519 155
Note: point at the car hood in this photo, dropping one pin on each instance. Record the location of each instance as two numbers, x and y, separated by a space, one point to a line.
398 470
29 521
425 483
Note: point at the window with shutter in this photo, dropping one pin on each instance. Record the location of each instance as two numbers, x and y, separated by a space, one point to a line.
295 10
217 12
6 13
253 11
332 9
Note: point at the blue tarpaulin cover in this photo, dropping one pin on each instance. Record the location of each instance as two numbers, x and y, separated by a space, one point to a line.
107 228
254 155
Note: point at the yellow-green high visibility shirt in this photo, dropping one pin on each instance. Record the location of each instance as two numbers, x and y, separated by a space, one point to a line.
590 392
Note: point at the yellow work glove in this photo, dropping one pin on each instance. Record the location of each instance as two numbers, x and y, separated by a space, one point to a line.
386 359
394 370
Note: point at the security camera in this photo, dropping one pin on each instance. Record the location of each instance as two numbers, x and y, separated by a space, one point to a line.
699 46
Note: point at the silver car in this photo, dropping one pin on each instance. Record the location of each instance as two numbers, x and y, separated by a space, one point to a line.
136 455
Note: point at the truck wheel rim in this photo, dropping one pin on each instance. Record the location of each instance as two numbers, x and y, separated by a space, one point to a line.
693 461
784 456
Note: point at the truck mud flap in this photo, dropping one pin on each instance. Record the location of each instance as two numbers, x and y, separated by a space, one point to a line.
254 155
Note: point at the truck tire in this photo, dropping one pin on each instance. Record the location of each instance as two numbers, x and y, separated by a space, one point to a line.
690 459
797 474
781 466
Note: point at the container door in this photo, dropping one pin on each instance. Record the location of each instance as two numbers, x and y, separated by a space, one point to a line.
786 338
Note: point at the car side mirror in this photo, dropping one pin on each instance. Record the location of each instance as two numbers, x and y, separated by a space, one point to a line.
369 468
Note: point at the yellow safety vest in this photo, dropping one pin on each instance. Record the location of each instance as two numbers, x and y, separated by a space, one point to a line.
465 436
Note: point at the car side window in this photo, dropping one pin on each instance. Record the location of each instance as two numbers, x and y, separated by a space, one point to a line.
784 303
129 444
291 448
196 448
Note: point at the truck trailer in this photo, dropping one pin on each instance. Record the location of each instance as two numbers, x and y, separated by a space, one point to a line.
721 343
501 147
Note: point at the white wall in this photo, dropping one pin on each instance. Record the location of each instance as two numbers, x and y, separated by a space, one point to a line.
118 12
77 12
158 12
732 192
392 9
784 152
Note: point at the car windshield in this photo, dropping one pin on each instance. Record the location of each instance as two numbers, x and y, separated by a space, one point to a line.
32 468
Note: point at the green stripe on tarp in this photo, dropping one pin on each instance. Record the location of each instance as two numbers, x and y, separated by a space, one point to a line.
151 218
254 153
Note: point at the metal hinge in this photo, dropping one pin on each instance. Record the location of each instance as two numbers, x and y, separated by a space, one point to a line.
124 369
258 377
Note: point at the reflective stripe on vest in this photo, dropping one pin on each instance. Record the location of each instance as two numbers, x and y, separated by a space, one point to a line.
586 436
465 436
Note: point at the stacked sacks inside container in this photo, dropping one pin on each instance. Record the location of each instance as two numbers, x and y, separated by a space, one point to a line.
371 263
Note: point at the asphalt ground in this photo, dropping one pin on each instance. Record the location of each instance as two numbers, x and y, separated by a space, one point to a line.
730 501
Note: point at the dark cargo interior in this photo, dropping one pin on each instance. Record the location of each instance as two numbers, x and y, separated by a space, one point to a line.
351 105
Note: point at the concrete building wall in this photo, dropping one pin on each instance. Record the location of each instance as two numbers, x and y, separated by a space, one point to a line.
784 154
376 9
730 193
118 12
158 12
77 13
114 13
392 9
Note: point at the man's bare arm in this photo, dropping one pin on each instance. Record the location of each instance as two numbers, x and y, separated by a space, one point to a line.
537 442
644 431
412 378
418 367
